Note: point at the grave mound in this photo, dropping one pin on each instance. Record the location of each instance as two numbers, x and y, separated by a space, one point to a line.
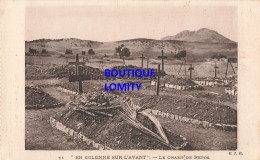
67 70
36 98
106 120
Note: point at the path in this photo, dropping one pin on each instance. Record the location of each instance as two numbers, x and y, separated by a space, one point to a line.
39 135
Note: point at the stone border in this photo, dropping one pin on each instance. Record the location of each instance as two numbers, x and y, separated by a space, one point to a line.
204 124
76 135
175 86
41 106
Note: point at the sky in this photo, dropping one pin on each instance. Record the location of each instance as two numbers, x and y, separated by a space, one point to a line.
107 23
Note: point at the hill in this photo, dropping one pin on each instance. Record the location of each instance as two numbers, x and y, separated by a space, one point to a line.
201 35
149 47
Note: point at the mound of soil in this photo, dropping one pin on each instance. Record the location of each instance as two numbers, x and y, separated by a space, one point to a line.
34 96
115 132
63 71
35 72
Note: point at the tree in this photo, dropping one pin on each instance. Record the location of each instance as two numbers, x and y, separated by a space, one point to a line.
181 54
123 52
91 52
32 51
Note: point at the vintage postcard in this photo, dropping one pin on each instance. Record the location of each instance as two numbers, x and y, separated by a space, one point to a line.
130 80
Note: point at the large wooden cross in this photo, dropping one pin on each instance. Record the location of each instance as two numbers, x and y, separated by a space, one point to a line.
216 67
79 78
158 80
142 60
162 57
77 63
191 68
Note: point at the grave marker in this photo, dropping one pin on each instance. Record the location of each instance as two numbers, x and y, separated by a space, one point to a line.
162 57
216 67
147 62
77 63
142 60
158 80
191 69
79 78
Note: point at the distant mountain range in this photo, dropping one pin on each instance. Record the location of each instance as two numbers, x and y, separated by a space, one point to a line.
198 44
201 35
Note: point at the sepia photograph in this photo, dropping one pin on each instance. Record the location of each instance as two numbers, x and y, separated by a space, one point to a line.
108 77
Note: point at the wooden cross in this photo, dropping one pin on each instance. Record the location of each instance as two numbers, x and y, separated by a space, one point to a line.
162 57
142 60
158 80
191 68
147 62
77 63
216 67
79 78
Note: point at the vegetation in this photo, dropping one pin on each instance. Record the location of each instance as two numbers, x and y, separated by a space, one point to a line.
32 51
91 52
83 52
181 54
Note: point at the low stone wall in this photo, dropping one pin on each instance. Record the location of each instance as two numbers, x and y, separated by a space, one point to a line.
77 135
175 86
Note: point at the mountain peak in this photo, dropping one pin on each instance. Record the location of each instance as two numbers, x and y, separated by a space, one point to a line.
202 35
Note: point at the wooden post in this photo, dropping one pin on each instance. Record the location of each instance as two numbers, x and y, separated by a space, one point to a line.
185 69
147 62
191 68
226 70
158 80
162 62
142 64
80 80
77 60
216 67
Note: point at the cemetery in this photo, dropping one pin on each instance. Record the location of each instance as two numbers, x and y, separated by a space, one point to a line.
105 117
